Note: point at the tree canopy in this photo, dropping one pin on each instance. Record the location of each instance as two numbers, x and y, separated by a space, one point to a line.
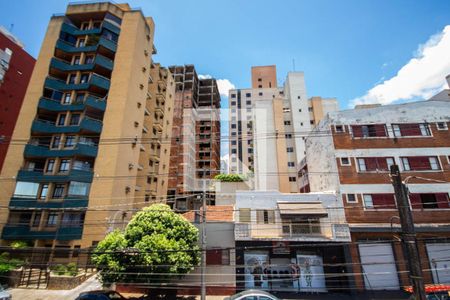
157 245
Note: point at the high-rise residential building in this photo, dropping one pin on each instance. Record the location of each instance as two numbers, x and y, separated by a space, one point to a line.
350 153
94 117
195 153
267 128
16 66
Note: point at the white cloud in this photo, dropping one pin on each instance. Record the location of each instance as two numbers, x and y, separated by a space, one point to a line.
224 85
423 76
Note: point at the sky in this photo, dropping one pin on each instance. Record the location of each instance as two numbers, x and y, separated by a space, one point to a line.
359 51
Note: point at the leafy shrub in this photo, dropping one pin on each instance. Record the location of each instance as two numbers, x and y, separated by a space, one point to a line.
7 264
19 245
229 178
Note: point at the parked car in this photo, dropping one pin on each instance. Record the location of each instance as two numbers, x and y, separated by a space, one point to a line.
252 295
100 295
4 294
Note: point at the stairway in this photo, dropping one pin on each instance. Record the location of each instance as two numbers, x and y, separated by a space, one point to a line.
35 278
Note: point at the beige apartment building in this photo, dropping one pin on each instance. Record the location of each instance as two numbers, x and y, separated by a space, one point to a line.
95 122
268 124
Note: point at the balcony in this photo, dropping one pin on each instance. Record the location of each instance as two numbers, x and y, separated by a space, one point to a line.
87 124
12 232
95 80
40 176
78 150
90 102
75 31
102 42
99 60
68 202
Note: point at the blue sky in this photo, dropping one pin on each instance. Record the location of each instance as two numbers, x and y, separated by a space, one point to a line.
346 48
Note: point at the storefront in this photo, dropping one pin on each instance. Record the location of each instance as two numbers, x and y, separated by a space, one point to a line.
291 267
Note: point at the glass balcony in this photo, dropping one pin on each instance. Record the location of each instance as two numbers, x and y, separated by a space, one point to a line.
61 85
75 31
99 60
55 105
87 124
78 150
40 176
13 232
68 202
66 47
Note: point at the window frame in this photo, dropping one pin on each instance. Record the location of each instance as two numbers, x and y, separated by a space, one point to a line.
349 161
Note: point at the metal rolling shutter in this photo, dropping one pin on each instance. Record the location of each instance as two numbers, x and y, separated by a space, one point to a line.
378 265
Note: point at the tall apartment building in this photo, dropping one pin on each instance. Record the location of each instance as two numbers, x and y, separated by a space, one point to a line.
90 112
16 66
195 158
267 128
153 167
350 152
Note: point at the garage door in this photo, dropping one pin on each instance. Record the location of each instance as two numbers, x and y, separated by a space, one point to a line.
439 256
378 265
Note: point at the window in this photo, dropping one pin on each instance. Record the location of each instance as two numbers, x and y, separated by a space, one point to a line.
339 128
244 215
58 191
411 130
36 219
61 120
286 109
290 149
233 103
70 141
84 78
379 201
292 179
345 161
80 97
233 151
264 216
233 96
260 93
368 202
351 198
288 136
76 60
64 166
50 166
250 150
75 119
72 219
52 219
291 164
420 163
310 109
72 78
67 98
287 122
441 126
375 163
233 126
364 131
89 59
429 200
81 42
56 142
233 143
260 86
26 189
44 191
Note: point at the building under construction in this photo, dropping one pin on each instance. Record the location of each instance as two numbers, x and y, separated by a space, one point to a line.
195 158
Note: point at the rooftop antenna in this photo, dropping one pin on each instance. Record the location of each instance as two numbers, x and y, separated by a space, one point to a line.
293 64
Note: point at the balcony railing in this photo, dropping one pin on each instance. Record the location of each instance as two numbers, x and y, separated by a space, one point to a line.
294 230
79 150
18 202
16 232
55 105
86 124
40 176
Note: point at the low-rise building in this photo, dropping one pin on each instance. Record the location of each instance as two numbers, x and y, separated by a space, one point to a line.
351 152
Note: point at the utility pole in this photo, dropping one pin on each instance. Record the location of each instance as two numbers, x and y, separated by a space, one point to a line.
203 283
408 234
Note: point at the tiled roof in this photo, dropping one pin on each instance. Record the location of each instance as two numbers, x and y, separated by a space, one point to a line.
214 213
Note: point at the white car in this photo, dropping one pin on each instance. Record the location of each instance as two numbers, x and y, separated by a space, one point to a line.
4 294
252 295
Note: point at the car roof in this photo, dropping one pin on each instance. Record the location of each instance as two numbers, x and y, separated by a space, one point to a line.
249 292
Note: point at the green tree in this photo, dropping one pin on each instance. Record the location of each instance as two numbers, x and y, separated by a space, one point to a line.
157 245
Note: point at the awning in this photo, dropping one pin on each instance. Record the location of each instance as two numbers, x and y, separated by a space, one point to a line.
315 209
